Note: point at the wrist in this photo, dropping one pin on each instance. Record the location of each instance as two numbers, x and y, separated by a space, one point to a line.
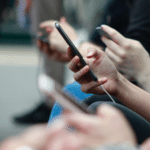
143 78
122 86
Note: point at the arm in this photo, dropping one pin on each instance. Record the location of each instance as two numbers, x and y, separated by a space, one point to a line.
130 95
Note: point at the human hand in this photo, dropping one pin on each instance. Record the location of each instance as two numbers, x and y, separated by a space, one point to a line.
34 137
84 48
58 47
102 67
109 126
40 137
129 56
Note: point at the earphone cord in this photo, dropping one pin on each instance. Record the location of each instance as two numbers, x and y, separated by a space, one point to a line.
107 94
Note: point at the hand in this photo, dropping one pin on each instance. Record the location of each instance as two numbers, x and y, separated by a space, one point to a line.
102 67
35 137
58 47
39 137
53 54
129 56
84 48
109 126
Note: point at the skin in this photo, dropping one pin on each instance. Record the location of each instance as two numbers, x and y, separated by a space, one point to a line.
97 130
91 131
57 49
129 56
130 95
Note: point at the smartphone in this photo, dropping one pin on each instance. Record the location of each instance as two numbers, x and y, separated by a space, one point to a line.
102 33
43 38
64 98
74 49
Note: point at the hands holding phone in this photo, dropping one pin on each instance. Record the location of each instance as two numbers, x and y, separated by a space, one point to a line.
57 49
102 67
128 55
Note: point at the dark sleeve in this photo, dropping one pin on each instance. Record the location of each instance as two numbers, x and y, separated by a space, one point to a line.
118 12
139 23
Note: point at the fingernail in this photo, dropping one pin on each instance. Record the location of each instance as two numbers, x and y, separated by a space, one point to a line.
102 26
90 54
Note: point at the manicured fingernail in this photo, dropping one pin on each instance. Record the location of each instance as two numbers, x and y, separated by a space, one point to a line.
90 54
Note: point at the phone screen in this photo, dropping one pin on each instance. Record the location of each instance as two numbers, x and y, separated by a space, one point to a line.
74 49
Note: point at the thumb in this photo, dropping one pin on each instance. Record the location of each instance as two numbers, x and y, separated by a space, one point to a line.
93 52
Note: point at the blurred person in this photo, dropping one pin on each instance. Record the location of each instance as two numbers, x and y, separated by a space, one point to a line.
108 129
53 67
38 11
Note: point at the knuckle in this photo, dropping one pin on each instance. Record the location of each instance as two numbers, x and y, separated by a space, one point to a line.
120 63
123 55
113 34
127 46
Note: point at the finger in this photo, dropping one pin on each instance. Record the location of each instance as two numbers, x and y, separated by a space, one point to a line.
63 20
49 23
73 64
115 35
70 53
94 53
113 57
81 122
115 48
106 110
49 30
79 75
45 48
93 87
40 44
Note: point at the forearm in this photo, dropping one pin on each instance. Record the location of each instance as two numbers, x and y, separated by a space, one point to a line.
144 80
133 97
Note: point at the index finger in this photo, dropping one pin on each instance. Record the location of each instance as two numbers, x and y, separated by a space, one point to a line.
49 23
115 35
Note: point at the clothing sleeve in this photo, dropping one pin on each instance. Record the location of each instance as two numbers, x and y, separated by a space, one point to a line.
139 23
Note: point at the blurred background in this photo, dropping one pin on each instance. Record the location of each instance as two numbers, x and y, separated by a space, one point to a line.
20 61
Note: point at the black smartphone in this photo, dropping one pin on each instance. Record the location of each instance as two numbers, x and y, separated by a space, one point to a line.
74 49
64 98
43 38
102 33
